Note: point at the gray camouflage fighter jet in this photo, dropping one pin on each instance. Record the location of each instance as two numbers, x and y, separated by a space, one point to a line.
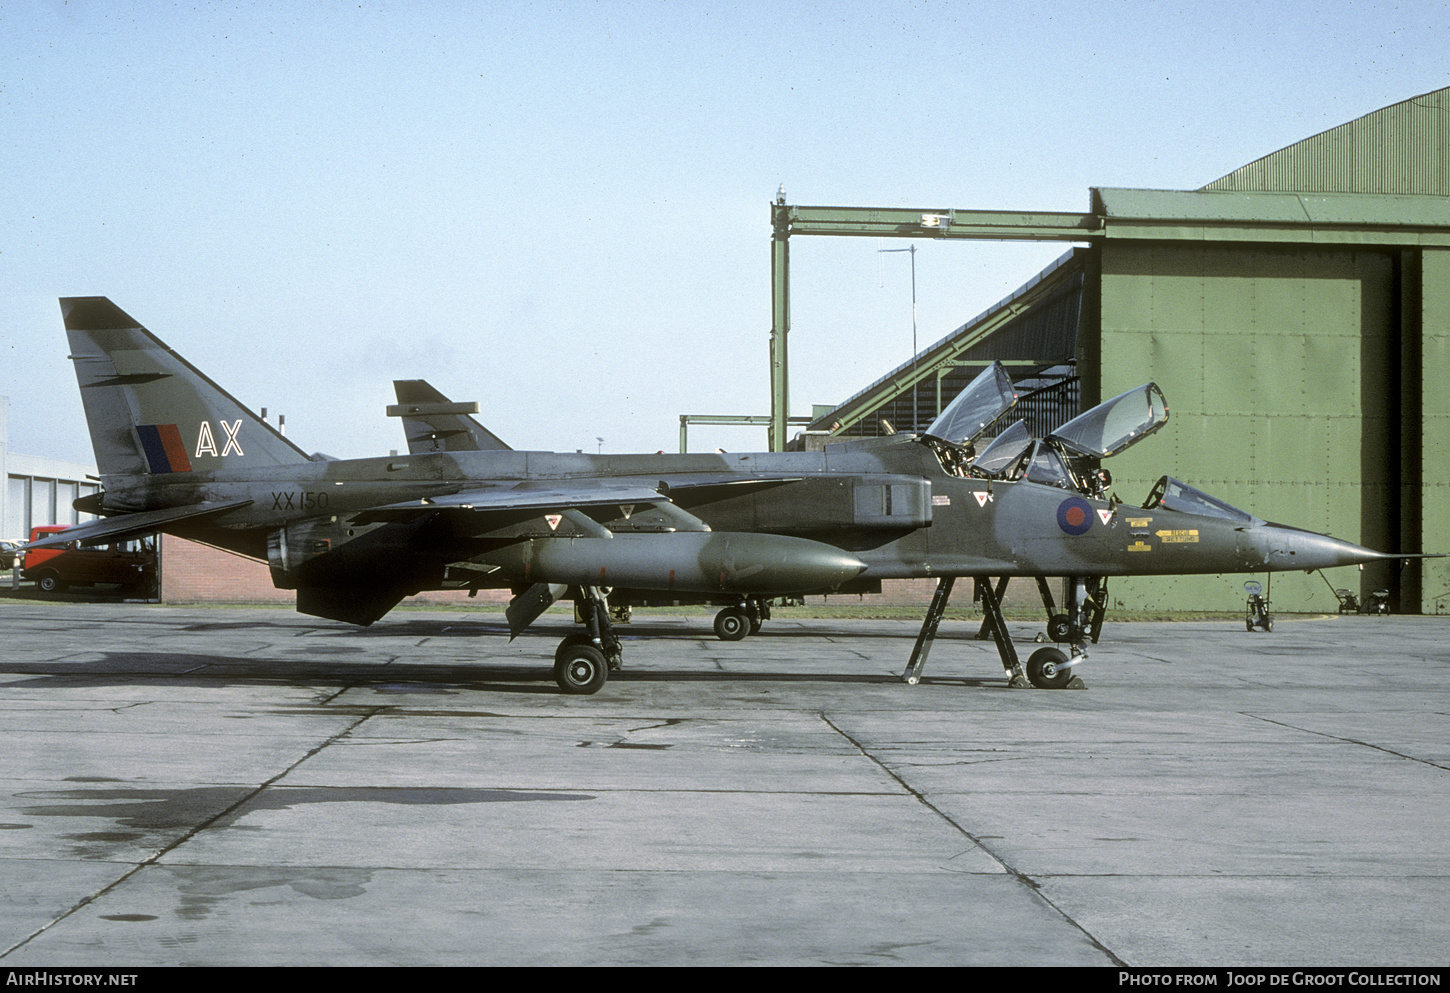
178 454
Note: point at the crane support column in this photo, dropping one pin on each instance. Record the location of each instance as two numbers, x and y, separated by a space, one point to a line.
780 323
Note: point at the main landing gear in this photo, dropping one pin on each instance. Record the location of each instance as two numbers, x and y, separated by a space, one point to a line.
738 620
1047 668
582 662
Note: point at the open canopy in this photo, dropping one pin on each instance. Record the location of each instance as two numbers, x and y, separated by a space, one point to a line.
985 399
1115 424
1005 450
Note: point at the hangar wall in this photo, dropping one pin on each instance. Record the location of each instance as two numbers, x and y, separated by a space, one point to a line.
1433 489
1294 378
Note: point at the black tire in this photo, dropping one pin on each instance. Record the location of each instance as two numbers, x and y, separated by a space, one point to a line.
1044 669
755 625
581 670
49 582
571 641
1059 629
1248 624
732 624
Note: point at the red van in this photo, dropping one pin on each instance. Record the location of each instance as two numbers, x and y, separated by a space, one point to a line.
131 564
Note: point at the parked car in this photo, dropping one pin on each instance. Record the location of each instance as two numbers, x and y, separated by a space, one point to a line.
131 564
8 554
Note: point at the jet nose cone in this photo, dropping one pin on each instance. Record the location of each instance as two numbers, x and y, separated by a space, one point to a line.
1284 547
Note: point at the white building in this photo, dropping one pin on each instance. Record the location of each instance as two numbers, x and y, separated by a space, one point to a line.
38 490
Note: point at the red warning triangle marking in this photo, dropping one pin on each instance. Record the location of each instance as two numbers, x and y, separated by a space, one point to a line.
982 497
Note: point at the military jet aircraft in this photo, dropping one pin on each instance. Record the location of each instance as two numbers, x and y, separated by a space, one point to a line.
434 423
180 455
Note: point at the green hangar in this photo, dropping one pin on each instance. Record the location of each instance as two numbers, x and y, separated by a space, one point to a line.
1295 312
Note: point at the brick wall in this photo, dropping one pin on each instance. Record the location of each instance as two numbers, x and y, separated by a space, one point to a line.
1021 594
195 573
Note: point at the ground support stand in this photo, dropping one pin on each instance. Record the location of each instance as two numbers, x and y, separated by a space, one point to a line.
991 606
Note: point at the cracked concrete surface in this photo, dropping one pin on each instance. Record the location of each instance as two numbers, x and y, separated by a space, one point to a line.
232 787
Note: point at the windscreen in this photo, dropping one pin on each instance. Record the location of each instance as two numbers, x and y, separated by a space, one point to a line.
1170 494
1115 424
1048 468
984 400
1004 450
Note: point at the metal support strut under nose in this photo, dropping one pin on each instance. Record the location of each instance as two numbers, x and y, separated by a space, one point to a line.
991 607
922 648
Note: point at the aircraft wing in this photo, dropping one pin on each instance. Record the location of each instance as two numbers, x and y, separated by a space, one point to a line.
693 490
124 526
565 495
506 499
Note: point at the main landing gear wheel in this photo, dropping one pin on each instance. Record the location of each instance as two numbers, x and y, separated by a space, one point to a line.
1045 669
571 641
732 624
580 669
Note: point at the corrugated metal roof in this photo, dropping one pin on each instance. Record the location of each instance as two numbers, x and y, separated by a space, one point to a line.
1291 208
1403 148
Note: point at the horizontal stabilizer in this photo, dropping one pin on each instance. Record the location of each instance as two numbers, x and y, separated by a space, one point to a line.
125 526
433 423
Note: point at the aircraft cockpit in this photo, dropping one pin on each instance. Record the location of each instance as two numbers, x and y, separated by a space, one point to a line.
952 435
1002 458
1170 494
1067 457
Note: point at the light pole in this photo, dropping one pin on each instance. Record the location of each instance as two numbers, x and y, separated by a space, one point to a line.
912 250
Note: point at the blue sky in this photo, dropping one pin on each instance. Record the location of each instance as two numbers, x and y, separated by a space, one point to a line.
561 210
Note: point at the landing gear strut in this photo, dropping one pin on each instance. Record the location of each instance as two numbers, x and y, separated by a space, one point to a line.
582 662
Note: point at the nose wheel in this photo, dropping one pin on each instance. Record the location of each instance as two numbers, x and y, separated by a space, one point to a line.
745 618
1050 669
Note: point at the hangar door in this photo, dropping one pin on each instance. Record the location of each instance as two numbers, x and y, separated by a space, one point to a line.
1282 367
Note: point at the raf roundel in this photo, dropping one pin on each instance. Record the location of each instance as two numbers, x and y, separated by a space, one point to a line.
1075 516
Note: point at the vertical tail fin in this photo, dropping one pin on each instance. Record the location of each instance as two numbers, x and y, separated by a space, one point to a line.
152 412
